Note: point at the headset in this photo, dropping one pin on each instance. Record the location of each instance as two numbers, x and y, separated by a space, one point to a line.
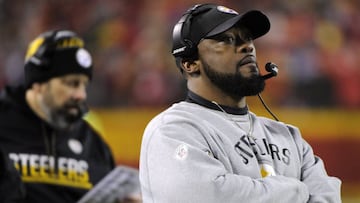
273 70
182 45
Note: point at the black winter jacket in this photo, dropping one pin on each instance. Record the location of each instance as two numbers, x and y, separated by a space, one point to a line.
56 166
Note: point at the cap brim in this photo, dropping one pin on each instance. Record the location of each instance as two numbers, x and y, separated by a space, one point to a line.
257 22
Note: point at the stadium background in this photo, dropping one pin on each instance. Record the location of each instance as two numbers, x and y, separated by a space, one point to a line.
316 45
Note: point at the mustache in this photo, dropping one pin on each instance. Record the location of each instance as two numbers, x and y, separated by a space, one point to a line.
81 106
247 59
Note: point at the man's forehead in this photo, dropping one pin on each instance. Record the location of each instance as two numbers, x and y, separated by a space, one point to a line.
76 76
73 76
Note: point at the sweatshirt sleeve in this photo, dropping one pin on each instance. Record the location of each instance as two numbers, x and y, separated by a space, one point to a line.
321 186
175 167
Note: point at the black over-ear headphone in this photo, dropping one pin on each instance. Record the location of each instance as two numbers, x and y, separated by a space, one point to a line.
182 45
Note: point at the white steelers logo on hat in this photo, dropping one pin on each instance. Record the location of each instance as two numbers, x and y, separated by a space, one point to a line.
83 58
226 10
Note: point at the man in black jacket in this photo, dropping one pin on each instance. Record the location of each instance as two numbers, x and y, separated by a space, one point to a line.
59 155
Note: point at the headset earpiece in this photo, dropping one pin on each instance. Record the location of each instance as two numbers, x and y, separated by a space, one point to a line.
182 45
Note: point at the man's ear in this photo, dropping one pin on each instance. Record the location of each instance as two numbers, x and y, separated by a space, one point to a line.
191 67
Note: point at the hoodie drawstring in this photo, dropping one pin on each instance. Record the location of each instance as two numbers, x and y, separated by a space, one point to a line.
50 147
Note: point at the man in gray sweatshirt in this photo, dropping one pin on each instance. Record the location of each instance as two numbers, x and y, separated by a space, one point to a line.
211 148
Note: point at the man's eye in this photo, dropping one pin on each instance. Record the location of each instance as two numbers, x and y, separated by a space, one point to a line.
229 39
247 38
224 38
72 83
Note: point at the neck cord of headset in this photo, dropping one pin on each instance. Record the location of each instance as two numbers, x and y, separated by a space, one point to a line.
249 134
267 108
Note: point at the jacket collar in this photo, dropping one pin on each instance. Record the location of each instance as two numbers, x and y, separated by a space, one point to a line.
194 98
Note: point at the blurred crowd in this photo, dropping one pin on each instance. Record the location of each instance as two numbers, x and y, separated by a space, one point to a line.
315 43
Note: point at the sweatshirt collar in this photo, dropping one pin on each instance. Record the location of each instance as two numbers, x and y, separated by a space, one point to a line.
194 98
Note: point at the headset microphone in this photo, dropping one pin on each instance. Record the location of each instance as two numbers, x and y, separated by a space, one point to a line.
272 69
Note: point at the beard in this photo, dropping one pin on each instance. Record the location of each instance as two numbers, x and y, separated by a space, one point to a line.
234 84
65 116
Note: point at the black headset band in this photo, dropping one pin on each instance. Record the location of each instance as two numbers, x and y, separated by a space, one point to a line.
183 46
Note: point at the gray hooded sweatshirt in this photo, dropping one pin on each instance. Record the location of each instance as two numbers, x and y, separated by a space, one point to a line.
194 154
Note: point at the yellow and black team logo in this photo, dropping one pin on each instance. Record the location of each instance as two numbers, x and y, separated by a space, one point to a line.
41 169
33 47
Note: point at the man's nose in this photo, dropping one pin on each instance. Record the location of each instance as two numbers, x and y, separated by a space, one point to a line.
80 93
245 48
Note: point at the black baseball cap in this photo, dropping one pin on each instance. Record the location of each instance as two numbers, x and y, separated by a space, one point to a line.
206 20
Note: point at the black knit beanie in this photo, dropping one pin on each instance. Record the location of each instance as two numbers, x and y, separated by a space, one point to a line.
54 54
